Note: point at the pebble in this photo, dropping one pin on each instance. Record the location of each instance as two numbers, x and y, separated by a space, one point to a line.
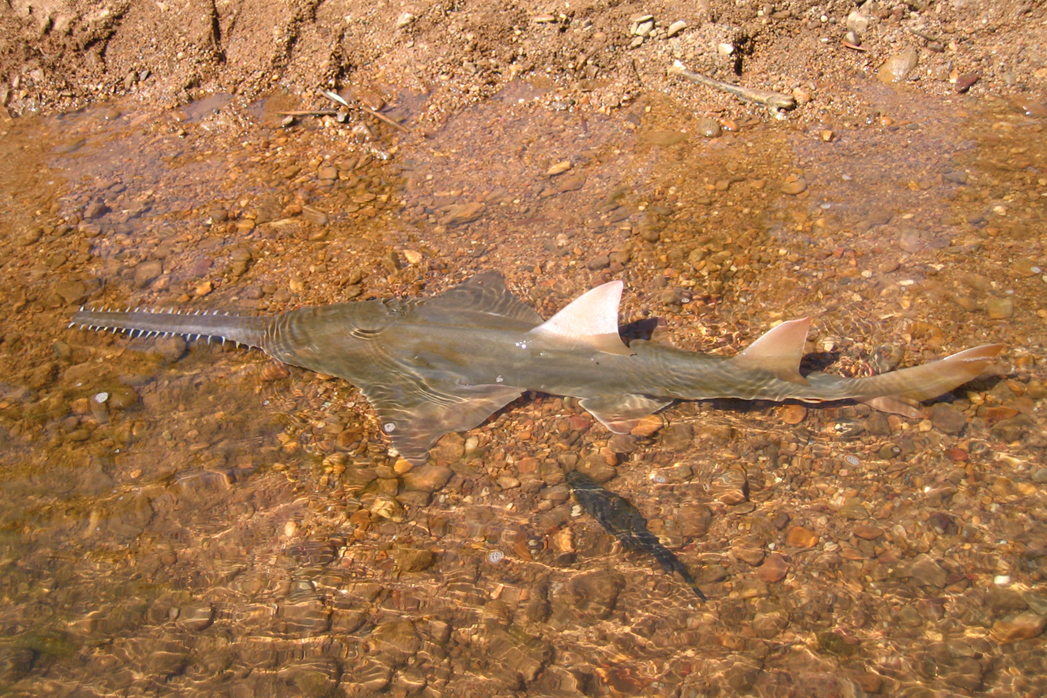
1023 626
999 308
708 128
147 271
927 572
796 187
947 418
773 569
449 449
800 537
898 66
72 292
171 348
558 168
866 532
857 22
792 414
966 81
730 487
95 209
464 213
675 28
750 556
647 426
597 263
414 559
694 519
29 238
596 593
196 618
427 478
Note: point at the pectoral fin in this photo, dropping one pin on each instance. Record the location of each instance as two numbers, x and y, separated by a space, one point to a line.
414 414
620 413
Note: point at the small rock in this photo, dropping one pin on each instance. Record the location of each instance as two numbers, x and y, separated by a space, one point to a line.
999 308
898 66
947 418
750 556
449 449
854 512
414 559
694 519
196 618
595 593
642 26
95 209
773 569
29 238
709 128
927 572
597 468
966 81
857 22
597 263
558 168
171 348
427 478
647 426
72 292
315 215
147 271
464 213
866 532
730 487
675 28
794 188
678 437
792 414
800 537
1023 626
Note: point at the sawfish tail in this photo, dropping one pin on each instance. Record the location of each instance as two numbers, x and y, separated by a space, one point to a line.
894 391
140 322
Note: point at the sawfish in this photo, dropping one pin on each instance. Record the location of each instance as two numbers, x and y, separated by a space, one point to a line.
430 366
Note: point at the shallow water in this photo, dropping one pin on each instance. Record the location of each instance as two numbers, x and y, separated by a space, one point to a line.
217 523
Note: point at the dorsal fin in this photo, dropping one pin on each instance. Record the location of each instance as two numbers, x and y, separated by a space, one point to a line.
778 351
589 320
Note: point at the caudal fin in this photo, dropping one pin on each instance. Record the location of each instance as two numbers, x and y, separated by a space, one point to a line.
890 392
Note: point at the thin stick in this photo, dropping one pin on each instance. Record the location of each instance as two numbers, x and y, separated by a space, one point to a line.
335 97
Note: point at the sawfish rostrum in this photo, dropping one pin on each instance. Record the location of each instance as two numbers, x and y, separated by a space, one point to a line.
434 365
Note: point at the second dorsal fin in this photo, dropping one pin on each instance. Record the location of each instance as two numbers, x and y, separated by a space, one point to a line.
778 351
589 320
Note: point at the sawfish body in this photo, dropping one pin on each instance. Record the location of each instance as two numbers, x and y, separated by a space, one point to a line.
434 365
